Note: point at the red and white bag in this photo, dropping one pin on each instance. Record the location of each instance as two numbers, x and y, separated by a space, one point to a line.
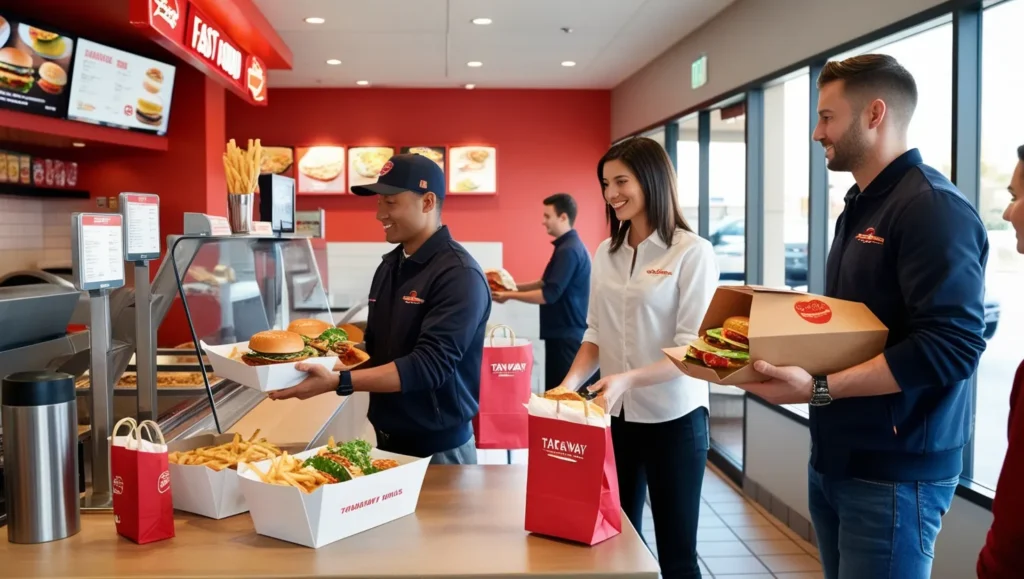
572 488
141 483
505 386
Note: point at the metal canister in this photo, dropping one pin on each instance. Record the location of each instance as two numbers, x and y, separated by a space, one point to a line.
240 207
40 421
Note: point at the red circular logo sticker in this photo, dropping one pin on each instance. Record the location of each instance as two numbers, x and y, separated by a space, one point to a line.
128 110
164 484
814 311
386 168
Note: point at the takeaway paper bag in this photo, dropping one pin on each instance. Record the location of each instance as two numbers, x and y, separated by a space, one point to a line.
141 481
505 381
572 489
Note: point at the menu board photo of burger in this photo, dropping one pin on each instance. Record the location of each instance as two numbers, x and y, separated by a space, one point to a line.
473 170
320 170
115 88
34 65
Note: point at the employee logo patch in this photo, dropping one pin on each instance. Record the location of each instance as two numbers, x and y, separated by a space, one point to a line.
869 237
423 184
659 272
412 298
386 168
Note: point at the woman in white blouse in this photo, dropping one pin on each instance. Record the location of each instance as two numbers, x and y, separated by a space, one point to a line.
651 284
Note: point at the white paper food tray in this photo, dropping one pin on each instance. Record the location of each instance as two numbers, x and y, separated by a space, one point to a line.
262 378
334 511
202 490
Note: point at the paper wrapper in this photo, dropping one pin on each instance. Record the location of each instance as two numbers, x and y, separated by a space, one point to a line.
568 411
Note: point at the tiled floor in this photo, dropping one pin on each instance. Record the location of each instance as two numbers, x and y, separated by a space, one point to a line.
737 539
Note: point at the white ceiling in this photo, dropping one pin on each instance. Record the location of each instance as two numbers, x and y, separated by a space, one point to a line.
427 43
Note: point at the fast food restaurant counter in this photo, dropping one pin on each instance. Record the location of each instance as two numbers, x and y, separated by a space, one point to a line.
469 523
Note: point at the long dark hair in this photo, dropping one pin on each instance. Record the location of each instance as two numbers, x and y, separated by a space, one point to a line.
657 178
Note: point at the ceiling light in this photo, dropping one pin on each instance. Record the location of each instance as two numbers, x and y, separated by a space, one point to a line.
482 21
362 82
333 61
77 144
315 20
470 86
568 63
474 64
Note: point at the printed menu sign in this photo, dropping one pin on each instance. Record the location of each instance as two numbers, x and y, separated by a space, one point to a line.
120 89
141 226
34 65
98 261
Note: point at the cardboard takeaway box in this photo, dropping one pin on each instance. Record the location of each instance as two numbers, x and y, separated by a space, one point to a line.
335 511
204 491
787 328
262 378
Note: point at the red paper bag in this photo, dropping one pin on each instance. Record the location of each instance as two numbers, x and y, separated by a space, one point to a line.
572 488
141 482
505 386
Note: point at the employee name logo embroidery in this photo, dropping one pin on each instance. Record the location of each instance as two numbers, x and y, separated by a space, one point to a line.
412 298
659 272
168 10
508 370
869 237
564 449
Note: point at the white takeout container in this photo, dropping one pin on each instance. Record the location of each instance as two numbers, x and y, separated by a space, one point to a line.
262 378
334 511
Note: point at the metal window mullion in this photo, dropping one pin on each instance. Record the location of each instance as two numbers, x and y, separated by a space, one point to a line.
753 254
818 199
704 171
672 143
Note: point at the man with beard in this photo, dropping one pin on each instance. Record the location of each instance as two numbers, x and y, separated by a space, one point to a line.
429 304
888 435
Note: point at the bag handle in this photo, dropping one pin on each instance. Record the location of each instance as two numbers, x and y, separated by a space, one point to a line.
145 425
586 409
127 420
508 331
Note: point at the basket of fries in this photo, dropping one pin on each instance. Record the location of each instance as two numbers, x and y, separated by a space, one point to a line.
242 170
204 471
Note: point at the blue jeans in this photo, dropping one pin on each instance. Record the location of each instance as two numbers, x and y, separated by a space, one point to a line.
877 529
465 454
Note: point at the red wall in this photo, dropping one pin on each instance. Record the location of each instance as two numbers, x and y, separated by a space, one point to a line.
547 142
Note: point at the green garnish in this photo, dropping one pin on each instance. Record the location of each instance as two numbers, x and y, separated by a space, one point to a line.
333 336
307 351
328 466
357 452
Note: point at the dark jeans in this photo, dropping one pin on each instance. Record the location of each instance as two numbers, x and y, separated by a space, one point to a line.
558 357
877 529
668 459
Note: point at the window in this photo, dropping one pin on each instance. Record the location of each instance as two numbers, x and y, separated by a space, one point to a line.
927 56
786 178
728 191
688 171
1002 131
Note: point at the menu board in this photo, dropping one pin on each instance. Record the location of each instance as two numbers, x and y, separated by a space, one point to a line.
365 163
115 88
141 213
321 170
97 260
435 154
277 161
473 170
34 65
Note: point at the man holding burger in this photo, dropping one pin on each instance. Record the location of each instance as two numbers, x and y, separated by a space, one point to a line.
429 304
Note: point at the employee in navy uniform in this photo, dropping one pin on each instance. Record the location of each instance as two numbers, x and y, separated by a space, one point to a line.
429 304
888 435
562 293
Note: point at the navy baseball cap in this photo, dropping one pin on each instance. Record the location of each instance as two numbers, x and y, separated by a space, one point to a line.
409 172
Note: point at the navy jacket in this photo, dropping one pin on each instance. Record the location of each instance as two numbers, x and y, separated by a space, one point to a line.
428 313
566 290
914 251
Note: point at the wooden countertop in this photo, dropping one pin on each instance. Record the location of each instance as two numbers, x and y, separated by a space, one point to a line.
469 523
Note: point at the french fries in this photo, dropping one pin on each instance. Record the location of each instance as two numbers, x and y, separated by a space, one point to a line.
242 167
227 455
288 471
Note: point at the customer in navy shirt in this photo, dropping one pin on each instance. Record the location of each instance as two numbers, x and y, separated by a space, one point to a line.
429 304
563 293
887 435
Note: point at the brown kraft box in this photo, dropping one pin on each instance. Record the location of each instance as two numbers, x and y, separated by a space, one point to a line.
819 334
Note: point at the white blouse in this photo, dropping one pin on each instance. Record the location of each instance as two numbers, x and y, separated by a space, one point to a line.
633 316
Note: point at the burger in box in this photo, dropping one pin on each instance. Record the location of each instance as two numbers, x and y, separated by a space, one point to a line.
785 328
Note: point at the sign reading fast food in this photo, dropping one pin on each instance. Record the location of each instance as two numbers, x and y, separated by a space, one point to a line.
184 29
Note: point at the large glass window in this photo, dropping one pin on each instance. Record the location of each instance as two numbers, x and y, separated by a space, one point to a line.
688 170
1002 131
927 56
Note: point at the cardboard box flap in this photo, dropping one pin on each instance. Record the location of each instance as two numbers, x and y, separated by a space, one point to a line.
792 314
773 290
727 301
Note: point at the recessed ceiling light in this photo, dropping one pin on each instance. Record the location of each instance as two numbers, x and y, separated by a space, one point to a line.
470 86
333 61
568 63
315 20
362 82
474 64
482 21
77 144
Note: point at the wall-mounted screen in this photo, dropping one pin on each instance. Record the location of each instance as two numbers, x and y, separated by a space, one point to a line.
34 68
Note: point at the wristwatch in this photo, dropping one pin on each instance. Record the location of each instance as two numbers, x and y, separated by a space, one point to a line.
819 391
344 384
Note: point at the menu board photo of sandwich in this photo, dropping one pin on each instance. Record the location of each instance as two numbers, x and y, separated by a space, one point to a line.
277 161
115 88
321 170
435 154
473 170
365 163
34 65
